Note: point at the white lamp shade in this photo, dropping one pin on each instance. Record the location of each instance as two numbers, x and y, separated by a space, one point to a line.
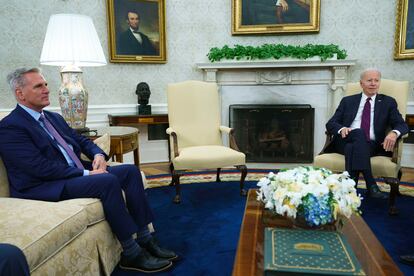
71 39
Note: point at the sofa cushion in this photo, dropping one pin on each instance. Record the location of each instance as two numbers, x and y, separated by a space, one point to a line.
104 142
42 228
92 207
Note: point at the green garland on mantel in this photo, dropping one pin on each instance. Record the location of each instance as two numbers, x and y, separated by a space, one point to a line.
276 51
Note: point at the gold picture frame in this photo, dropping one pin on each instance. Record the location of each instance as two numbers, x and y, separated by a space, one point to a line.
404 30
137 31
275 17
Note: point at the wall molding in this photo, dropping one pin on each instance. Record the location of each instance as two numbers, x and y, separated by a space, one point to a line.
157 151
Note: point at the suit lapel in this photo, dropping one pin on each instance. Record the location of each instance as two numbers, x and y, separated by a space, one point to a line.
377 108
355 105
38 128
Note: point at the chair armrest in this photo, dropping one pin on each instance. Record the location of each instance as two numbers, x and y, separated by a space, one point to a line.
397 151
225 129
170 131
232 140
328 141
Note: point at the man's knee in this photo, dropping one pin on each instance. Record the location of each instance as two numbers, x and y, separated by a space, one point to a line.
108 182
357 134
129 170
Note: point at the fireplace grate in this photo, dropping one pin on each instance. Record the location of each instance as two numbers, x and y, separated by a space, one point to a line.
274 133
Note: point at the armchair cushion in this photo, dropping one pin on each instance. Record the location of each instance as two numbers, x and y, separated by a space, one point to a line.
214 157
381 165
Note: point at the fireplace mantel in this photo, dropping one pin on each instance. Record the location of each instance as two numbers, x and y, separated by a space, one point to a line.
334 73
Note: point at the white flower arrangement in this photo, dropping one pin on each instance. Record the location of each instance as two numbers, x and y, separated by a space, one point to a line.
314 193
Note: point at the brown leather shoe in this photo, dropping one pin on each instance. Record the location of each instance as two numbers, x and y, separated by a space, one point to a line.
145 262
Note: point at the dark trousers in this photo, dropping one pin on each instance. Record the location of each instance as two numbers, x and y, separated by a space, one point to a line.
12 261
125 219
358 151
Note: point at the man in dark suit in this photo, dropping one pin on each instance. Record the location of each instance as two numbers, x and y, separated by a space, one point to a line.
132 41
41 154
365 125
12 261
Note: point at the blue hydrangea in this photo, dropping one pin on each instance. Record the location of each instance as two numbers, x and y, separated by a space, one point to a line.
317 211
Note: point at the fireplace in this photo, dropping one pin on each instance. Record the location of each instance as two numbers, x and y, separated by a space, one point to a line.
274 133
320 84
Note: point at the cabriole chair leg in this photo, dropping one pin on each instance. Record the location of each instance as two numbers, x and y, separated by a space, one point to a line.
394 184
218 175
243 170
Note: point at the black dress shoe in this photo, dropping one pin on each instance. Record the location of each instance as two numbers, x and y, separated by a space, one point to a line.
145 262
407 259
374 192
152 247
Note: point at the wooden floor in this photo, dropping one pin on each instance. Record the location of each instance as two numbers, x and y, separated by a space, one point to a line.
163 168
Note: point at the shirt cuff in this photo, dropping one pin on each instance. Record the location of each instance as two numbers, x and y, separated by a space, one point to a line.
339 131
99 154
397 132
85 172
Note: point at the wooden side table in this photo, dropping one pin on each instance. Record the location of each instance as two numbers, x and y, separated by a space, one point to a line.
123 140
136 120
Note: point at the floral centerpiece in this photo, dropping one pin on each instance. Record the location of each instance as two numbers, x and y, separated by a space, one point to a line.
316 194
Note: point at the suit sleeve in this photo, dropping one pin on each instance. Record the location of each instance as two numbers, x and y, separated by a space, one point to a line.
336 122
19 151
396 120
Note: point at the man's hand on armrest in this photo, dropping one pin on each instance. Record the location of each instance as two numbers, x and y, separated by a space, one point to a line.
390 141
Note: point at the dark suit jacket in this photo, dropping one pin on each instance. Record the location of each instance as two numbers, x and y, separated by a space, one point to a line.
386 116
129 45
36 168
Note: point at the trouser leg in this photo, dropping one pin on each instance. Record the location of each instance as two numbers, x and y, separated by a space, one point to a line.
107 188
356 149
358 152
131 182
12 261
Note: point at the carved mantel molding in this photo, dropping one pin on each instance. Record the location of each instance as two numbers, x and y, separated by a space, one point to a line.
334 73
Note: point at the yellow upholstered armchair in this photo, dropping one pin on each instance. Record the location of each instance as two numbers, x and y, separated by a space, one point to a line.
196 134
387 168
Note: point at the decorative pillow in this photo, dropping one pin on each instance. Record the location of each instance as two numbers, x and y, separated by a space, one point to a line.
104 142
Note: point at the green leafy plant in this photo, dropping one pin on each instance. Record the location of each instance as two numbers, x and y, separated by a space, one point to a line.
276 51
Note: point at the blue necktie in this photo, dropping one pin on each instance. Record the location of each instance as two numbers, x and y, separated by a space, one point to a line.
61 141
366 118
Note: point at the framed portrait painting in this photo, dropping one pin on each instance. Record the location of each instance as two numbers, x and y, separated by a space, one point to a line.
275 16
137 31
404 30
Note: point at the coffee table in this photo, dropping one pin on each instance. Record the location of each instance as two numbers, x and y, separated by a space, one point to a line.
249 256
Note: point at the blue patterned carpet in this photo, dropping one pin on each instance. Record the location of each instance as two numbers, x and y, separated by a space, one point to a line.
204 228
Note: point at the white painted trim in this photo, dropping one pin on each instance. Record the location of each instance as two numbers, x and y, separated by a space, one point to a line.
150 151
157 151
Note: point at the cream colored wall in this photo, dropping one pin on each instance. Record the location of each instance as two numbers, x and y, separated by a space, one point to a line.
364 28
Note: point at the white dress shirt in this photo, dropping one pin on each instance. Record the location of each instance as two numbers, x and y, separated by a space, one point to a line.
357 121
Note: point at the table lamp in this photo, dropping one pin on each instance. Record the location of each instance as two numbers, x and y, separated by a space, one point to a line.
71 41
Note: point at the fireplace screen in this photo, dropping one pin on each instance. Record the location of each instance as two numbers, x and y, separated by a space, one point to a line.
274 133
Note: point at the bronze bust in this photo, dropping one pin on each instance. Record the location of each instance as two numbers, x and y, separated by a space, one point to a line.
143 92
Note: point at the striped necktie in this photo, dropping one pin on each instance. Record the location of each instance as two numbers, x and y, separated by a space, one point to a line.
61 141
